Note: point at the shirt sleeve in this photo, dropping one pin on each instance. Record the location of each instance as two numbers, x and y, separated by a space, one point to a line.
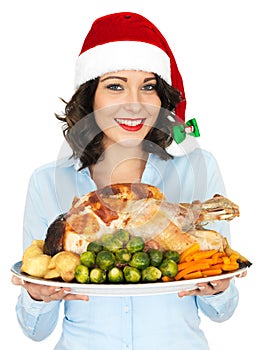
37 319
218 307
35 222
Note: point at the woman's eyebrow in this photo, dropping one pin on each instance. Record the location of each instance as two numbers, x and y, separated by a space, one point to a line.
148 79
114 77
125 79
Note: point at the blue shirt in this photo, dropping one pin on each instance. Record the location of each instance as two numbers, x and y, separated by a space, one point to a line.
156 322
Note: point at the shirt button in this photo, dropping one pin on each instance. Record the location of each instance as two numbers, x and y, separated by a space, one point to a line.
126 309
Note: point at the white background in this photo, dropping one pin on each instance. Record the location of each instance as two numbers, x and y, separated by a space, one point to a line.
218 47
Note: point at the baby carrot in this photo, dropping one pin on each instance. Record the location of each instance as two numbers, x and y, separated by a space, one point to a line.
204 254
230 267
211 272
193 275
167 279
184 265
190 250
190 269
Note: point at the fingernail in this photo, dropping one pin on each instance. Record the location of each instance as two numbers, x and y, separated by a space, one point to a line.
201 287
213 284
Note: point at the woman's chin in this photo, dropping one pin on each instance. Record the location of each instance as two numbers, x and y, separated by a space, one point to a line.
130 143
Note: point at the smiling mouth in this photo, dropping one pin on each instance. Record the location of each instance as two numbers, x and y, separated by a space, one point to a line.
130 124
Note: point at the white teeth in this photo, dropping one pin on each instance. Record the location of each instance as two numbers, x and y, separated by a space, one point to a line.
129 122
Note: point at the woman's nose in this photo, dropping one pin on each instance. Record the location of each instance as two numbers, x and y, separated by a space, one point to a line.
133 102
134 107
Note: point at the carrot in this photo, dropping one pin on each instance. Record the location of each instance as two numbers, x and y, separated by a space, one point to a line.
230 267
193 275
217 261
216 257
196 263
204 254
226 260
188 258
190 269
211 272
216 266
167 279
184 265
190 250
233 257
220 254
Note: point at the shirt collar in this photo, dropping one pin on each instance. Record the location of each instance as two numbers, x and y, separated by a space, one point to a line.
68 162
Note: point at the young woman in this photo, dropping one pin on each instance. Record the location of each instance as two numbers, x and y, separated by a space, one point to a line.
129 94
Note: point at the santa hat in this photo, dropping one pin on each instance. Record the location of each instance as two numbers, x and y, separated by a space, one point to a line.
128 41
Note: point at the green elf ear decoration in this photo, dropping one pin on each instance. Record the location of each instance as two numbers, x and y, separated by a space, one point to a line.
190 128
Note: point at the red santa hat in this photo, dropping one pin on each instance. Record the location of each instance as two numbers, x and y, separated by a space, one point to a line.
128 41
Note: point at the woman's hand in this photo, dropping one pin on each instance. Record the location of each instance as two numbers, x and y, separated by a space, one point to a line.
211 288
47 293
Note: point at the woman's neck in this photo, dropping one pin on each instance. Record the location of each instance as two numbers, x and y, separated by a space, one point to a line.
119 164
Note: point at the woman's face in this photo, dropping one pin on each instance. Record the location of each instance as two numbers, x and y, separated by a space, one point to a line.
126 106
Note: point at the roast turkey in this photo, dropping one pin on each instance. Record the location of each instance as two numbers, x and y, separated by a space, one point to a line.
142 210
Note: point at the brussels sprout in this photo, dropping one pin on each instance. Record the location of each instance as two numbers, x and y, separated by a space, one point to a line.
115 275
168 268
140 260
122 235
95 246
156 257
135 244
151 274
97 275
112 244
82 274
105 259
105 237
88 258
123 256
131 274
172 254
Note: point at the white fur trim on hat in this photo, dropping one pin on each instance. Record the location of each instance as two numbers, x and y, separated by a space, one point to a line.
122 55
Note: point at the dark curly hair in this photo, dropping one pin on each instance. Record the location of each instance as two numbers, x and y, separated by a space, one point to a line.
85 137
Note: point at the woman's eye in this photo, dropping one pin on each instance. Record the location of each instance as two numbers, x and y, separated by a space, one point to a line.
149 87
114 87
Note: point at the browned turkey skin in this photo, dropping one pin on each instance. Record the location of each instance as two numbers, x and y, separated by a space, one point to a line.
98 202
55 236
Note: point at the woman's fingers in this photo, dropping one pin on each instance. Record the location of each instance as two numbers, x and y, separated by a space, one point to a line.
210 288
47 293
